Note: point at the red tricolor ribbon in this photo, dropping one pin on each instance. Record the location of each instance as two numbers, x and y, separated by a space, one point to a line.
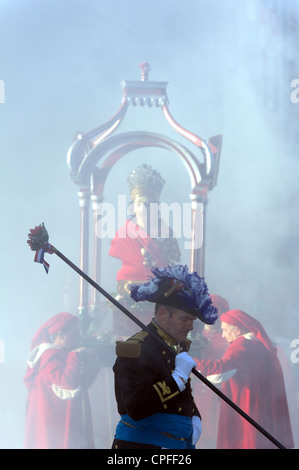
39 256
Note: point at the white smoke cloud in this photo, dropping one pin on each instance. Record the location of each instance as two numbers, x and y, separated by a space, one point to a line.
62 63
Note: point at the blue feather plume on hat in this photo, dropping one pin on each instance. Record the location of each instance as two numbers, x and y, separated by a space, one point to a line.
193 292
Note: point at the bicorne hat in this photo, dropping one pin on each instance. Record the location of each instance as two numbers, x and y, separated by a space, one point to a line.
174 286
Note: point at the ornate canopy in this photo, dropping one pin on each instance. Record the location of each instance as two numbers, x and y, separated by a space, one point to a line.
93 154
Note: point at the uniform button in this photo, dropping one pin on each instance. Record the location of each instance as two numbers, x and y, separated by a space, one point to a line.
180 409
168 362
163 352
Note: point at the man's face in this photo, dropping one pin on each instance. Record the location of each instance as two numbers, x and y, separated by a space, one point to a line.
69 338
175 322
229 332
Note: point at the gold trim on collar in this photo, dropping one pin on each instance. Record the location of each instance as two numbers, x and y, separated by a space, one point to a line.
170 341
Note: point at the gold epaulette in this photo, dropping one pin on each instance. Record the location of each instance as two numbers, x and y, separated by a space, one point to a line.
188 344
132 346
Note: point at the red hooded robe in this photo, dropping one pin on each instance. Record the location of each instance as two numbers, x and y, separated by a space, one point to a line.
58 413
252 378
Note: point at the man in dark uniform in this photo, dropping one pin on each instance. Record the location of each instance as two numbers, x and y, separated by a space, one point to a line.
152 383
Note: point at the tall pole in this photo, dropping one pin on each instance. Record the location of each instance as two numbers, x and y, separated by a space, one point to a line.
84 200
198 229
39 242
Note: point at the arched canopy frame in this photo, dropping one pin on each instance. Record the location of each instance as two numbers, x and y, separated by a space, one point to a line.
93 154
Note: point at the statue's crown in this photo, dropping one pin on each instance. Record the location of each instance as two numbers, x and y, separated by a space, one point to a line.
146 182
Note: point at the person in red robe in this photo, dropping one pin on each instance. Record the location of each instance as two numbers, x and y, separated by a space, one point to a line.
214 346
143 243
251 376
58 375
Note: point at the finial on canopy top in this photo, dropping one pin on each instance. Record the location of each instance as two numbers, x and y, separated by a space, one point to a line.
145 68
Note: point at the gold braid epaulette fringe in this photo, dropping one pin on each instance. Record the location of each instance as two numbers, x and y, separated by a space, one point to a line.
131 347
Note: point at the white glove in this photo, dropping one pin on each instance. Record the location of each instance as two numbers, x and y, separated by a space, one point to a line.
183 367
196 424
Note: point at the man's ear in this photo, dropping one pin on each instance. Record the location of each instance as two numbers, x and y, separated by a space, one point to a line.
162 312
238 331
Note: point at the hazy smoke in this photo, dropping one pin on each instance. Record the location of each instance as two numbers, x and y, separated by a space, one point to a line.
229 66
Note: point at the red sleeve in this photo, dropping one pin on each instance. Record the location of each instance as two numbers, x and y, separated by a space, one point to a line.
223 369
62 368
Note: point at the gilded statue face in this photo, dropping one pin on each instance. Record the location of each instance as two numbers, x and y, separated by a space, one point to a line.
141 204
142 211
